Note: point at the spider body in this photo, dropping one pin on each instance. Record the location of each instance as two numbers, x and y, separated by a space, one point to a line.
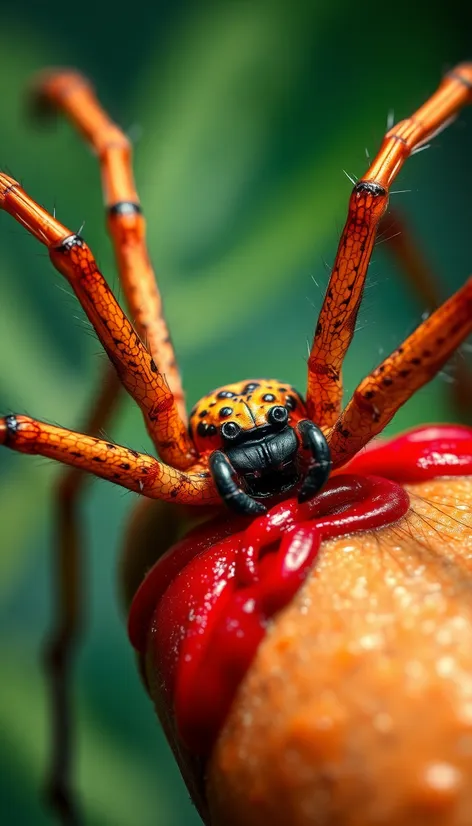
245 443
257 431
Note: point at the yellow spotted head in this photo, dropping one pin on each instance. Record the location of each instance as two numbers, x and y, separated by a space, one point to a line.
222 416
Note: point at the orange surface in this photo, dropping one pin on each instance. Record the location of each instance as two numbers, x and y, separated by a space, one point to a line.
358 708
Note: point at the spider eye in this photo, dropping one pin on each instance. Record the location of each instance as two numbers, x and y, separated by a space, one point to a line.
278 415
230 430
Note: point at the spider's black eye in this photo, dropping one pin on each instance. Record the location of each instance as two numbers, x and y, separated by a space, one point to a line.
278 415
229 430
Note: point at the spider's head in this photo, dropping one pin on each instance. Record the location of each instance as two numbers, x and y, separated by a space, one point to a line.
252 424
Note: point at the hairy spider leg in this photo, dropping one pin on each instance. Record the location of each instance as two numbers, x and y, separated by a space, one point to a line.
66 625
135 366
71 93
407 253
400 375
367 204
123 466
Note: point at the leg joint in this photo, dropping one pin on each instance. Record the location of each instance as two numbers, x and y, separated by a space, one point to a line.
376 190
68 244
124 208
12 426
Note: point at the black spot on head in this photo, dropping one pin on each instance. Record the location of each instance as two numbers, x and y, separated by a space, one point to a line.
282 389
226 394
291 403
203 414
248 388
225 411
206 429
269 397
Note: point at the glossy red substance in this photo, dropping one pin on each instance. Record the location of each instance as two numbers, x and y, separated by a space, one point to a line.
204 607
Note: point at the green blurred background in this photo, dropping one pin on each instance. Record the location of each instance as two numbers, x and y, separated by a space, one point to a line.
244 116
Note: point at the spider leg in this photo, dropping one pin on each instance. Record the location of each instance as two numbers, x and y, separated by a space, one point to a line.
398 377
135 366
135 471
407 253
367 204
69 92
67 621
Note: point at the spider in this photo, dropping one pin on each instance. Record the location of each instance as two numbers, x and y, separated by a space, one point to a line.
254 439
250 442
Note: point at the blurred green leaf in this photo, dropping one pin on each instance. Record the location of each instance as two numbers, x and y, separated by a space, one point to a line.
115 787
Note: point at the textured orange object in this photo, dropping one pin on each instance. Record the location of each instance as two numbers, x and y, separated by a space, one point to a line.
358 708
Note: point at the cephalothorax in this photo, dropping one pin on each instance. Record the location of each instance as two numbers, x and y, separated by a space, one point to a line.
246 443
257 432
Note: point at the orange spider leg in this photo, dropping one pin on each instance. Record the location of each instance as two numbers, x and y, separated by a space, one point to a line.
411 260
399 376
138 472
70 92
134 364
368 202
67 620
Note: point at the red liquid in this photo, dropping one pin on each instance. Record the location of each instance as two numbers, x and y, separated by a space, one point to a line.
204 607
